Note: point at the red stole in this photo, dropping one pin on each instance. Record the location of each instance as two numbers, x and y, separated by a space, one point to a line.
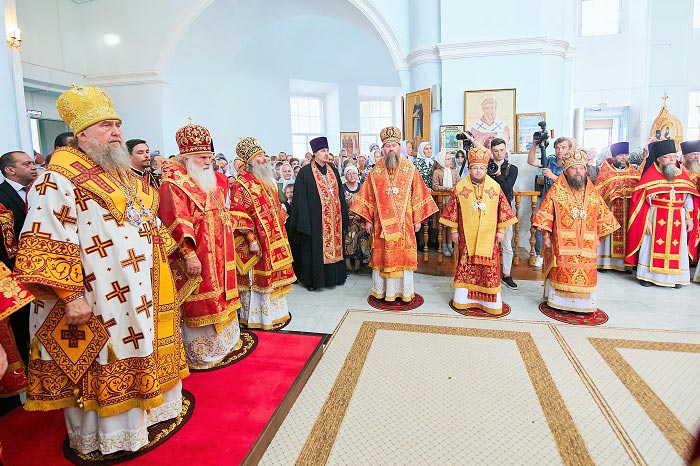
332 219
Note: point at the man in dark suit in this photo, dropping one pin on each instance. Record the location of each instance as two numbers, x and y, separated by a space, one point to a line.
19 171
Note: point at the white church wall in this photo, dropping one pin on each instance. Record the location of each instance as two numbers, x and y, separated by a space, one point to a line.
248 93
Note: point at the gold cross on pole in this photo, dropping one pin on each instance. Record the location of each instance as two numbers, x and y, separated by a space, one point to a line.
190 119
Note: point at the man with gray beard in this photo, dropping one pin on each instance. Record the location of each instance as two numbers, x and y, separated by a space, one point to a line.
572 217
663 225
393 202
106 344
193 208
264 256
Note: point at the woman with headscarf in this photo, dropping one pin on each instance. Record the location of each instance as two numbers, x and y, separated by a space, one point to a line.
424 163
444 179
351 243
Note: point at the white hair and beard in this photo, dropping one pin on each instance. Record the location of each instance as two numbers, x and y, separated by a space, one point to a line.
693 166
669 171
391 158
576 182
110 158
263 172
204 177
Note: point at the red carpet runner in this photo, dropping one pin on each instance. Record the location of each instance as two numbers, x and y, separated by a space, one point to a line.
232 405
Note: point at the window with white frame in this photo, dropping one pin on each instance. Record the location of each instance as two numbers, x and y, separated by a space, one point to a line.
693 127
599 17
374 115
307 121
696 14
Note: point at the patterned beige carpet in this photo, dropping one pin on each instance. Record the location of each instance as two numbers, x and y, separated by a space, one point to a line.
405 389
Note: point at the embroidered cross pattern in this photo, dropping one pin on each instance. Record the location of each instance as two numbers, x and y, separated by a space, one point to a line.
107 325
81 198
90 174
87 280
99 246
146 231
133 338
44 185
145 306
65 217
118 292
73 336
133 260
36 226
490 192
465 192
109 217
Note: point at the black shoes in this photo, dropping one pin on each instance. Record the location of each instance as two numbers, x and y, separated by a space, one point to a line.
510 283
645 283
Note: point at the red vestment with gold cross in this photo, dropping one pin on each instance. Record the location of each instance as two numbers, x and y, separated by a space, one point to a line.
615 187
256 208
668 199
479 266
394 203
576 221
200 224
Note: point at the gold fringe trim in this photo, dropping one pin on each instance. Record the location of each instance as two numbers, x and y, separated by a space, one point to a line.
111 355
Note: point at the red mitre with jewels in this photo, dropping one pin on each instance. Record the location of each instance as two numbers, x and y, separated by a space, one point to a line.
479 155
193 139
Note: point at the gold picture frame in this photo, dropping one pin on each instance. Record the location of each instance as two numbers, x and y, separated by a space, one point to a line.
490 113
525 126
417 118
448 139
350 141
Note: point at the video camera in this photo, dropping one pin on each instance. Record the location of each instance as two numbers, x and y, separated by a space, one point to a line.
541 137
465 138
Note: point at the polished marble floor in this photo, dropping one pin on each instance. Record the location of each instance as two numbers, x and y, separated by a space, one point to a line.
626 302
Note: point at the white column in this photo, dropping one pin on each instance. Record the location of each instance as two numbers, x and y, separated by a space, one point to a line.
14 124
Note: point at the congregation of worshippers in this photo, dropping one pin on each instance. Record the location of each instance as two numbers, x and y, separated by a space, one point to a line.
161 261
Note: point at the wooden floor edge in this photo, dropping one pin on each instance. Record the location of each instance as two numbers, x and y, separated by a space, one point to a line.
263 441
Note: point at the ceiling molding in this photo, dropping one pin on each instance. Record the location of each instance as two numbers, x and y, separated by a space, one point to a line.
422 56
124 79
520 46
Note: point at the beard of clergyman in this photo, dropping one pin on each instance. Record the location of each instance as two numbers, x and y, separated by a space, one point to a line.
204 177
576 182
262 172
669 171
110 158
391 158
693 166
619 163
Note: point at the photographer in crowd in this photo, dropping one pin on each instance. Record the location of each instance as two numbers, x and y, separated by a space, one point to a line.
551 169
505 175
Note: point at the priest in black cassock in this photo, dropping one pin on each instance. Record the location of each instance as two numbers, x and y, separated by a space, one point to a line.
318 220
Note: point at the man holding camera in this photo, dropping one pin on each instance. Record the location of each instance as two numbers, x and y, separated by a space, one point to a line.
505 175
551 170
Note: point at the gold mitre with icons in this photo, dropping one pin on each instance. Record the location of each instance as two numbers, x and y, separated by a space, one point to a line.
577 157
390 134
479 155
667 126
83 106
247 148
